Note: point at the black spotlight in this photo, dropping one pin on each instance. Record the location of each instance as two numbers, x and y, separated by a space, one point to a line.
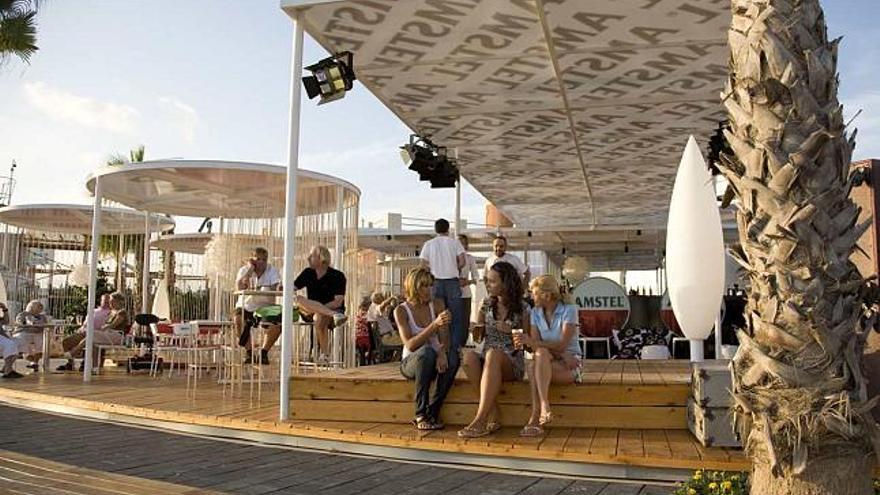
330 78
430 161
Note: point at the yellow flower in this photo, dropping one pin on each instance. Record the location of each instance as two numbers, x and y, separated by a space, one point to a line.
713 485
726 485
691 491
698 476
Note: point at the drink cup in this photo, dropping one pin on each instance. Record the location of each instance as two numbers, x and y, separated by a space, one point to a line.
478 332
517 333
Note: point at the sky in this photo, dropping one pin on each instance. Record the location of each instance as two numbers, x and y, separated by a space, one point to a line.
209 79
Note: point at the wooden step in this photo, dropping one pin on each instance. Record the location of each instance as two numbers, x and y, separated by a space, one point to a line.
582 416
616 395
305 388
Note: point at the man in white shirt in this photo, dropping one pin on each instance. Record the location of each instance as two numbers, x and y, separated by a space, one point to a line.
500 254
445 257
256 274
467 277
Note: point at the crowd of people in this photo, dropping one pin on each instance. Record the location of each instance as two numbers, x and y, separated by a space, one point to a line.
434 321
430 323
25 336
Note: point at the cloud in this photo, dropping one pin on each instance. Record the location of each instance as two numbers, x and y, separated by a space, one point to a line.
63 106
185 117
868 123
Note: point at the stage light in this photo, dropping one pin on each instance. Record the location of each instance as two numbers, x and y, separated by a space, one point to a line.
430 161
330 78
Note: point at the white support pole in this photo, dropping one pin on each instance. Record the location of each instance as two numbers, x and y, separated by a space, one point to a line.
718 336
340 259
93 283
145 297
696 351
458 207
290 216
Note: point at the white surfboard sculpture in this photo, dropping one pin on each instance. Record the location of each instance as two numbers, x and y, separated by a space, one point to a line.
694 250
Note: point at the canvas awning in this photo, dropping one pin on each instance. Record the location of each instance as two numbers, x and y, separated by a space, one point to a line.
565 113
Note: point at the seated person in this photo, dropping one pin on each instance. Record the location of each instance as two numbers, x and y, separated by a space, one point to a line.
423 323
256 274
29 331
362 332
325 301
8 346
111 332
501 359
556 353
380 309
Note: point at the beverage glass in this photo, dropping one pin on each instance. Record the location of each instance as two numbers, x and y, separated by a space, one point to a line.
516 333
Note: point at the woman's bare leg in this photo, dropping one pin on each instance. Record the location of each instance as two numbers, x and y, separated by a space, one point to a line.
496 369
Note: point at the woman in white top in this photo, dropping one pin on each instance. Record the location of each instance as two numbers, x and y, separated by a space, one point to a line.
553 340
423 324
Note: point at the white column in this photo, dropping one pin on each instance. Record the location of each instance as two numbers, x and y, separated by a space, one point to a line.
145 297
93 282
290 216
458 207
718 336
340 259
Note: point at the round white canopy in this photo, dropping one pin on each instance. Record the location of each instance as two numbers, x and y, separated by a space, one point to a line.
77 219
207 188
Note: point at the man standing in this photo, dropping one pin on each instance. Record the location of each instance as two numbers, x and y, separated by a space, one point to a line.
445 257
467 277
257 274
325 302
500 253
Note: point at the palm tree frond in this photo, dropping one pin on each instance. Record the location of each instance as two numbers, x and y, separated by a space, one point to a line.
18 34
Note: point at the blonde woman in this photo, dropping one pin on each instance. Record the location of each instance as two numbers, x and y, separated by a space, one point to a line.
423 324
556 354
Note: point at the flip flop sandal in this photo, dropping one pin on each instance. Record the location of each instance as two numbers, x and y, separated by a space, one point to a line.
493 426
545 419
468 432
531 431
424 424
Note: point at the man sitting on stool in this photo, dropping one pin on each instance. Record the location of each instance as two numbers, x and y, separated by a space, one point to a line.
257 274
325 304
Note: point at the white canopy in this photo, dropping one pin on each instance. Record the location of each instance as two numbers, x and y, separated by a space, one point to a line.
207 188
77 219
565 113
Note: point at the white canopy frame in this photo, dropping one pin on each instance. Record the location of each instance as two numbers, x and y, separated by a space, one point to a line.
243 191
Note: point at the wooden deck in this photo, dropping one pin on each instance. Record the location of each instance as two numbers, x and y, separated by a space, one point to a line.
26 475
621 443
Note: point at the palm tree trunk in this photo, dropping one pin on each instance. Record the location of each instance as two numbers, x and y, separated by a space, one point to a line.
800 392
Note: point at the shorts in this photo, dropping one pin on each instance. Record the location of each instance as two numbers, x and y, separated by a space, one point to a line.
8 346
30 343
250 321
